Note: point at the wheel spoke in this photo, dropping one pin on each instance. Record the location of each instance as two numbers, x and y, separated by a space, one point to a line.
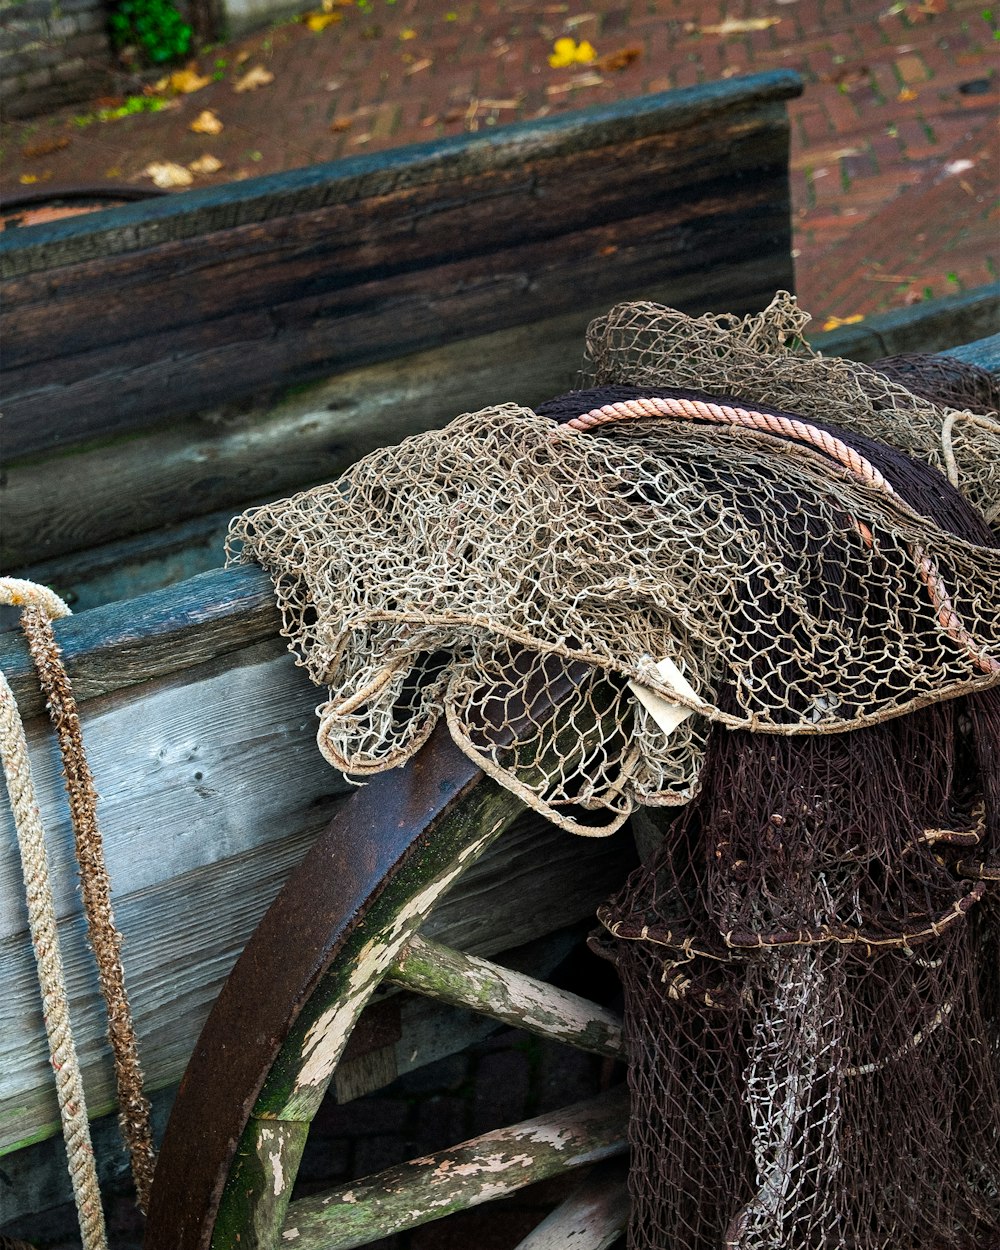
512 997
593 1217
487 1167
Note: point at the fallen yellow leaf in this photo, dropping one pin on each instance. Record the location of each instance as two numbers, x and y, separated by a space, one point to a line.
834 323
906 95
567 51
206 123
254 78
734 26
167 174
27 179
207 164
183 82
409 33
320 21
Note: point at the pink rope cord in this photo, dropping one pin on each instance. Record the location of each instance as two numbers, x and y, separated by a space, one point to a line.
802 432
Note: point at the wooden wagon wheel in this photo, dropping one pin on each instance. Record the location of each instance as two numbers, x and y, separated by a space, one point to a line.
346 920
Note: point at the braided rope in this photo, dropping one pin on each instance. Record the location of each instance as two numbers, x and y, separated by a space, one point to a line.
45 941
772 423
106 940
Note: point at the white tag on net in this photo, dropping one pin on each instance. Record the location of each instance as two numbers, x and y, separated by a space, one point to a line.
666 714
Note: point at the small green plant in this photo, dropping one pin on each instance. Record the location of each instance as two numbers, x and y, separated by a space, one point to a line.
133 104
153 26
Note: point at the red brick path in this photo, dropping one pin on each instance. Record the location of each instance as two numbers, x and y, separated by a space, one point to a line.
894 155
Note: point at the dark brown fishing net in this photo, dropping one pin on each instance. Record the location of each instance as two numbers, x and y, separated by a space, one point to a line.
759 586
811 967
944 380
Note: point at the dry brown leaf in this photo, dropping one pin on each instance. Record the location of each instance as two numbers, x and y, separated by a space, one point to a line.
621 59
733 26
906 95
254 78
183 81
207 164
167 174
340 124
44 147
206 123
417 66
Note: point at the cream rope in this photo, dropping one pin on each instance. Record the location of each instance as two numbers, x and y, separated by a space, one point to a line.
45 940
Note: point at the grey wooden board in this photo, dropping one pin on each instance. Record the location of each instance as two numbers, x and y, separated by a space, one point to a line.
405 251
55 505
985 353
137 226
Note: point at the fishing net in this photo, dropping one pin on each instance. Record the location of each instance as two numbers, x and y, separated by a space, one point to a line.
682 588
525 578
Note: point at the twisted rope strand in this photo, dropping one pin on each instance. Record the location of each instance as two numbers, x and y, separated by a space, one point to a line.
45 941
105 938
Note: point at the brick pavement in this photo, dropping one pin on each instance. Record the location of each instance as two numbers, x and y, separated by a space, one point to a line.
893 92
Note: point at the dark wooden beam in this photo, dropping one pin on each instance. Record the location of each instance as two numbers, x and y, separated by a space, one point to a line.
121 319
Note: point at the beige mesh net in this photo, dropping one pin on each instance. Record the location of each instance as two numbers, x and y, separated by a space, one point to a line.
516 575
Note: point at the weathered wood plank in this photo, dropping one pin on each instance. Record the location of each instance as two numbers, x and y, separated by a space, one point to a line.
152 636
460 240
428 967
134 227
593 1217
179 369
270 264
480 1170
985 352
227 459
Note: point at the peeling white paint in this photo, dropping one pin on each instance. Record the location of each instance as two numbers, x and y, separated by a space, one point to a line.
551 1135
325 1040
491 1164
278 1172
